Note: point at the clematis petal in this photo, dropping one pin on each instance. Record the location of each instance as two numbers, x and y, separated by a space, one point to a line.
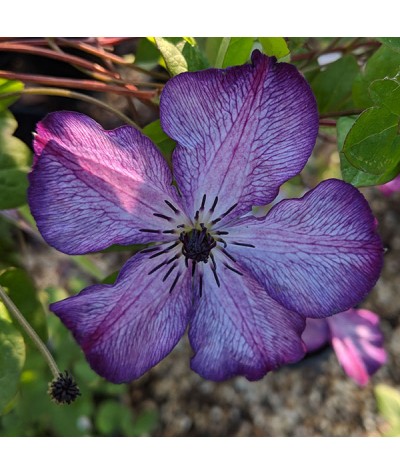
126 328
239 330
391 187
317 255
358 343
260 119
90 188
316 334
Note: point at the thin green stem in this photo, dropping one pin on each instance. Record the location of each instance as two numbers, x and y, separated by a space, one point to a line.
49 91
223 48
341 113
30 332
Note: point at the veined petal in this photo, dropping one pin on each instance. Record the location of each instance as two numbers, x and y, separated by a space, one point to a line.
317 255
90 188
316 334
126 328
358 343
238 329
241 132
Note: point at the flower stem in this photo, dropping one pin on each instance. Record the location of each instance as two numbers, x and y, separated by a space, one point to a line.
30 332
50 91
341 113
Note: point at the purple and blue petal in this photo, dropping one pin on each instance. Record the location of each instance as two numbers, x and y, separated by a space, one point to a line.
91 188
237 329
317 255
241 132
126 328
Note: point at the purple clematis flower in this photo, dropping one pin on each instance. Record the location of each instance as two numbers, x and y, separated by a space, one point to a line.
356 340
243 285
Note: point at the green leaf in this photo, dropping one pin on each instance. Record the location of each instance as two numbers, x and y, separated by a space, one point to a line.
8 86
113 418
373 143
181 55
111 278
333 86
194 57
386 93
393 43
383 63
274 47
211 49
388 402
350 174
22 292
160 138
234 51
175 61
144 423
12 358
147 54
15 160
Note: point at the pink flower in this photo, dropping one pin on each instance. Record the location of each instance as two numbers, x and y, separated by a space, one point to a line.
356 340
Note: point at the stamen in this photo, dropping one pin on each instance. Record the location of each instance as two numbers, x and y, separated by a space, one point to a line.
242 244
212 209
221 233
224 214
171 206
169 272
175 281
215 275
232 269
164 251
203 202
228 255
169 231
150 230
213 261
159 215
196 216
150 249
229 210
221 240
165 263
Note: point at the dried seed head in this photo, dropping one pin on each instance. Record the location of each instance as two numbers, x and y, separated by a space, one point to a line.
64 390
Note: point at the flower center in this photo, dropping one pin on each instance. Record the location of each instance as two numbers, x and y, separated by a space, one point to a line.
195 240
197 244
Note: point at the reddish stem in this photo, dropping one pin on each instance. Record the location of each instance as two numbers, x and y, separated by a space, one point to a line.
128 90
68 58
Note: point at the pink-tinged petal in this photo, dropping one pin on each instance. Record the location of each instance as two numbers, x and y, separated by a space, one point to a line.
239 330
391 187
317 255
316 334
126 328
90 188
241 132
358 343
